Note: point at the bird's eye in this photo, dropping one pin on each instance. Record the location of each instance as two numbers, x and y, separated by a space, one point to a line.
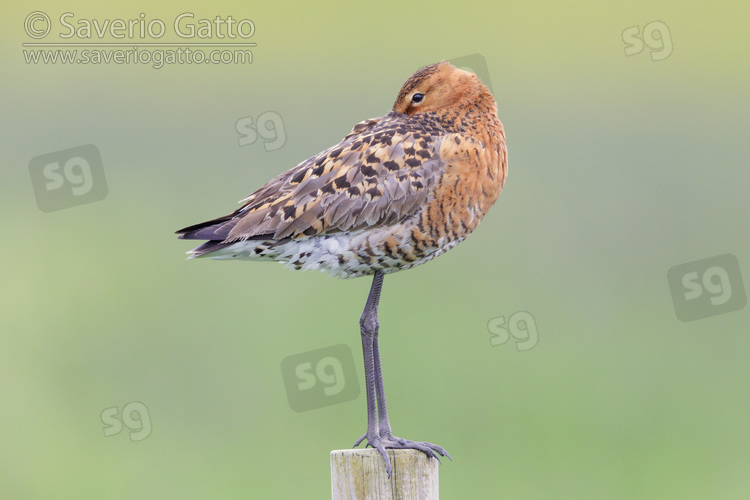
417 98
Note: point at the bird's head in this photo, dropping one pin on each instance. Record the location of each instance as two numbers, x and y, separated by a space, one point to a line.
441 87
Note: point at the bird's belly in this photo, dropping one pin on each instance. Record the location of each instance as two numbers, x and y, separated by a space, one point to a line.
345 255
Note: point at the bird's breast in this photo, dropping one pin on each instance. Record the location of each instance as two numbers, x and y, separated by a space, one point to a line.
475 169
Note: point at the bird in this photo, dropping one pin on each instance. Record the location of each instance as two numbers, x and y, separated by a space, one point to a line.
396 192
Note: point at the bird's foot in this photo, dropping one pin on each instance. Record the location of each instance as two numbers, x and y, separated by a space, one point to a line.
381 442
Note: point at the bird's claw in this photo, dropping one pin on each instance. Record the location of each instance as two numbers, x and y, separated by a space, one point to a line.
389 441
361 438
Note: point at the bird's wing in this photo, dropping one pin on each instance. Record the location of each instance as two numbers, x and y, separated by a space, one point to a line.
378 174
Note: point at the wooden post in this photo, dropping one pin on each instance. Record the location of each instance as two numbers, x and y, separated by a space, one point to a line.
359 474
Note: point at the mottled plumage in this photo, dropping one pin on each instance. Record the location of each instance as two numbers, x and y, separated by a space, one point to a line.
395 192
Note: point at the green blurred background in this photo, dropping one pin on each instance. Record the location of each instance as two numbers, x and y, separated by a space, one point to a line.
620 168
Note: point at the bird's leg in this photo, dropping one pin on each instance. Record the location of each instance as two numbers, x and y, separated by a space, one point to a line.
380 436
384 425
368 327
